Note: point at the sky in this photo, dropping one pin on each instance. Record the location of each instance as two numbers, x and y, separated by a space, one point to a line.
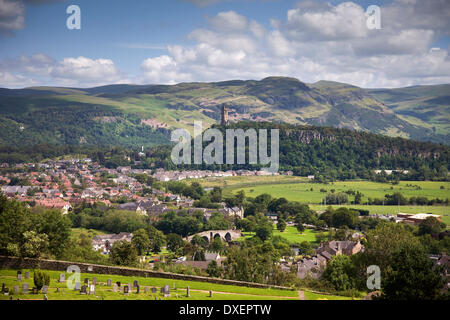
173 41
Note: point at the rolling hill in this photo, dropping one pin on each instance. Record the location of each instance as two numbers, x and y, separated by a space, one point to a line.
143 114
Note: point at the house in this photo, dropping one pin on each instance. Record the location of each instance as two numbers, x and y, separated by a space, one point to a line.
105 242
416 219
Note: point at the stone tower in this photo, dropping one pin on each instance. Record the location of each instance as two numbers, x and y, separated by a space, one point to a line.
224 115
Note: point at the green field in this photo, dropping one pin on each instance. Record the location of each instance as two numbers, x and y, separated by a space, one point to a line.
290 234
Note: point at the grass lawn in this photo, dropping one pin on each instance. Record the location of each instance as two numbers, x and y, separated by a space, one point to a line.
90 232
198 290
318 296
290 234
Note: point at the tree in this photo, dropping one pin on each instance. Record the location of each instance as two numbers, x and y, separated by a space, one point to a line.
157 239
305 249
431 226
264 231
320 237
281 225
174 242
141 241
343 217
412 276
216 245
123 253
300 228
339 272
213 269
34 244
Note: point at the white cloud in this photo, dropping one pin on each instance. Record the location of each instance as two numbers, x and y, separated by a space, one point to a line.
80 71
12 15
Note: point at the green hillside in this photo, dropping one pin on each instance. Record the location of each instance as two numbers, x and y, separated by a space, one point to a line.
77 116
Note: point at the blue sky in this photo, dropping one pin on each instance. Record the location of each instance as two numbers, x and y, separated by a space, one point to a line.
173 41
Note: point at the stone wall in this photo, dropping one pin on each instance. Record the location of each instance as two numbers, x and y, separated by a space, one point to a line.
57 265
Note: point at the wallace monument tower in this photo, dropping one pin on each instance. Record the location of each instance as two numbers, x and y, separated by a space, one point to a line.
224 115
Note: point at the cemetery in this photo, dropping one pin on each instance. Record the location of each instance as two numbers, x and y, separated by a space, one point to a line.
90 286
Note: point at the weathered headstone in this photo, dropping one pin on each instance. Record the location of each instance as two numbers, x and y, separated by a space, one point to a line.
92 289
167 289
153 290
27 275
62 278
137 289
109 282
115 287
16 289
125 289
25 288
45 289
94 281
83 289
146 288
135 283
19 275
210 293
77 286
187 291
86 281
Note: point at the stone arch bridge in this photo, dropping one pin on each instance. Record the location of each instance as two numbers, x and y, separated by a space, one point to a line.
225 235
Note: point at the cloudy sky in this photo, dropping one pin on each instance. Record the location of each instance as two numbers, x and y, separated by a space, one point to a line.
172 41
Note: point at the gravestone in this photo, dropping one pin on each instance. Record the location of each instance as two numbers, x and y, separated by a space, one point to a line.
57 290
77 286
137 289
86 281
16 289
187 291
109 282
3 287
92 289
83 289
94 281
153 290
125 289
27 275
146 288
45 289
135 284
25 288
166 289
19 275
115 287
62 278
210 293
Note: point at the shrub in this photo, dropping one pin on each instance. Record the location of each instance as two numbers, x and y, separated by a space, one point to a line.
41 279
